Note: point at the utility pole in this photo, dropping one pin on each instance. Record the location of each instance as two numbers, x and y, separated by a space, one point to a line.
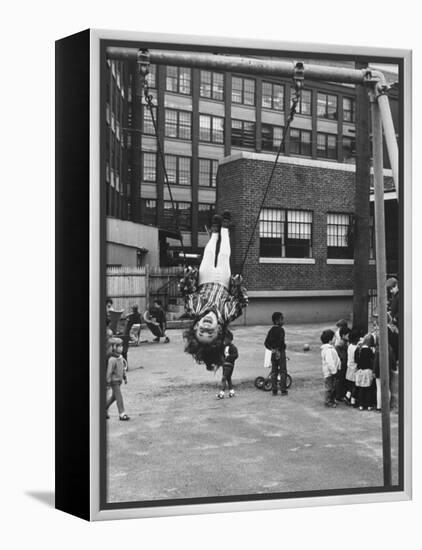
361 217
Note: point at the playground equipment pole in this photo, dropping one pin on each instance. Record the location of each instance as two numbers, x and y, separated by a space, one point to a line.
381 286
390 137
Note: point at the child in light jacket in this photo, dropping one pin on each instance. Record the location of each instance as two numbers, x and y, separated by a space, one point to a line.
330 366
116 374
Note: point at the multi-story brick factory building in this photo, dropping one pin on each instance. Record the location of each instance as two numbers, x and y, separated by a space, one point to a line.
211 121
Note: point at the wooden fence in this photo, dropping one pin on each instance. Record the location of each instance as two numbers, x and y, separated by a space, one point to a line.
140 285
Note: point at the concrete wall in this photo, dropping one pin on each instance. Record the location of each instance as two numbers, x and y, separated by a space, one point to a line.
297 310
135 236
118 254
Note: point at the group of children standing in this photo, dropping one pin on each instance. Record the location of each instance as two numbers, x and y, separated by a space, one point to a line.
350 366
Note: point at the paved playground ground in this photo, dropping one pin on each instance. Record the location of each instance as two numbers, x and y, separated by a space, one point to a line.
181 442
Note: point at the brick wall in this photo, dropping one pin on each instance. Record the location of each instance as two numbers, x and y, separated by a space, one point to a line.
241 185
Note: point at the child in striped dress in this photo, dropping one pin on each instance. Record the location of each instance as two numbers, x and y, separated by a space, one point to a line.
213 298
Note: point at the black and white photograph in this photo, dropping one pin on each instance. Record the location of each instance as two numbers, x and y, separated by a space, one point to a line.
252 274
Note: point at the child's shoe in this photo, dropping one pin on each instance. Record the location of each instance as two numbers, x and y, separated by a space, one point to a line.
216 223
231 393
124 417
226 219
167 340
370 408
361 408
220 395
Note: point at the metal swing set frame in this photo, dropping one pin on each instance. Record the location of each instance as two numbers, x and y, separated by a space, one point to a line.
382 124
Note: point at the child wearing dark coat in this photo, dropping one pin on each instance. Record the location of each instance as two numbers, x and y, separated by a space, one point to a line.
275 341
364 377
230 355
341 349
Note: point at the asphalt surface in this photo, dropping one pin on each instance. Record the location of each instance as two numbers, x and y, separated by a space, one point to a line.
181 442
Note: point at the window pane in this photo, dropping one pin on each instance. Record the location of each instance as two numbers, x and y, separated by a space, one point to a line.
185 79
305 103
205 87
204 172
218 86
184 171
171 168
184 125
149 167
214 167
236 90
295 141
266 95
322 105
332 107
171 79
218 130
278 97
170 123
331 147
204 128
249 92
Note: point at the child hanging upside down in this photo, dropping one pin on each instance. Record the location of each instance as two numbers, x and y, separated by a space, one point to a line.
213 298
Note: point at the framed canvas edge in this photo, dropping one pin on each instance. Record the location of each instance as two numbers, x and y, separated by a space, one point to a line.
96 35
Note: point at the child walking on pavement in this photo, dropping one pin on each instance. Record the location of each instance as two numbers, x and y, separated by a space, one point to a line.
116 374
230 356
275 341
330 366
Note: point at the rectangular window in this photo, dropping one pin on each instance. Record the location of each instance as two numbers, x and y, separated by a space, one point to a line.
149 167
349 149
182 210
327 146
149 211
243 90
285 233
272 96
243 133
178 80
300 142
207 172
205 214
178 169
304 107
211 129
339 242
271 137
147 124
177 124
327 106
212 85
152 76
348 109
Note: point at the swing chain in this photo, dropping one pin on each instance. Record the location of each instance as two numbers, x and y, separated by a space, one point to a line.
298 78
143 62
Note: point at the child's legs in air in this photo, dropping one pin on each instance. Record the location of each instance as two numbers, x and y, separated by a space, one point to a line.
223 259
206 269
